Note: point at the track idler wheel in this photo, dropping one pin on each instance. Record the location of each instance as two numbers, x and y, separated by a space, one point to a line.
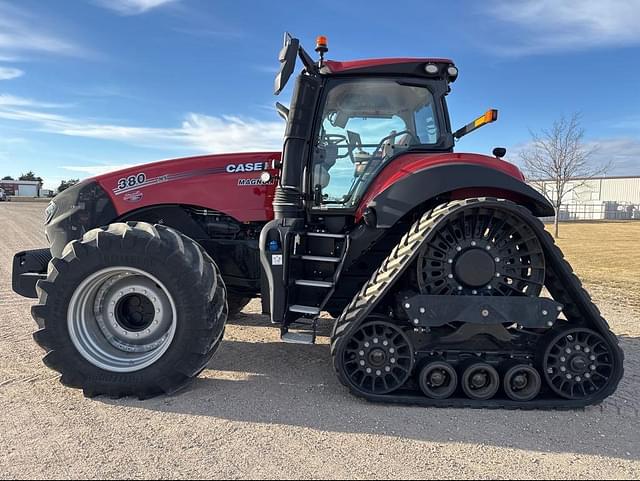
438 380
578 363
378 358
480 381
522 383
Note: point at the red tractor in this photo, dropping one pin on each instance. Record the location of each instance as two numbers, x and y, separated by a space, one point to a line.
433 262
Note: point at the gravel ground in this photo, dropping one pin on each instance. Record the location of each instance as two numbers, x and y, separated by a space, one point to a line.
265 409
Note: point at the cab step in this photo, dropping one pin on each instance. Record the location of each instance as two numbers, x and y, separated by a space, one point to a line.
308 310
326 235
306 338
306 257
313 283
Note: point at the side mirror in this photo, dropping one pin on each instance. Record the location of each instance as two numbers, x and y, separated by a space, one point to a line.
282 111
287 58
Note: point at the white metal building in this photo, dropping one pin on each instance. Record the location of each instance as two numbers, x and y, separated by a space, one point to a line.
21 188
598 198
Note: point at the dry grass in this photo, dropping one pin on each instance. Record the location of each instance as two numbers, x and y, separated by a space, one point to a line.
606 256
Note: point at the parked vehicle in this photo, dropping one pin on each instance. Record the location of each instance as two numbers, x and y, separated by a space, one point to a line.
432 261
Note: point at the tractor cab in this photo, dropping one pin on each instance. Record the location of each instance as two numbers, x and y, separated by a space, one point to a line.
363 123
347 122
349 119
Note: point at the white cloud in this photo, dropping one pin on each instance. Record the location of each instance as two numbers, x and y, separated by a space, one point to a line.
562 25
11 101
198 132
133 7
9 73
20 31
231 134
623 154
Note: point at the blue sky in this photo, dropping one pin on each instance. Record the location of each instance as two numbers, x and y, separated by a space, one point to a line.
92 85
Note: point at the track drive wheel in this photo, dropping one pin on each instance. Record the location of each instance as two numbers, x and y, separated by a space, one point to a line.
377 359
484 251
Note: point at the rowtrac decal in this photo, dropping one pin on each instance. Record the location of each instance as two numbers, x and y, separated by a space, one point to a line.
142 181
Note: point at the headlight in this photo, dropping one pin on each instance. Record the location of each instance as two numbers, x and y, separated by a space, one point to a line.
49 212
265 177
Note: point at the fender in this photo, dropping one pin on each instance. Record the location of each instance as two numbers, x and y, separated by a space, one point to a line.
171 215
447 181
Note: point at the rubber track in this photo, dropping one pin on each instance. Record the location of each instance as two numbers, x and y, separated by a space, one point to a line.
560 280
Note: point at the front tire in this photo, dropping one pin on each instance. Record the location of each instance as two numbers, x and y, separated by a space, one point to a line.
130 309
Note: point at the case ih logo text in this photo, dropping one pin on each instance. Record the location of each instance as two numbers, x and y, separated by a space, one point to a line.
248 167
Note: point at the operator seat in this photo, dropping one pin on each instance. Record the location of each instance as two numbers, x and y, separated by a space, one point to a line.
397 145
404 142
393 145
325 159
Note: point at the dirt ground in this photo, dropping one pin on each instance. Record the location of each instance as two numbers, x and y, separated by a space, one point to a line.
269 410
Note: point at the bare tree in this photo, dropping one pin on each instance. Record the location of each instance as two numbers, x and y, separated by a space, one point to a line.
559 158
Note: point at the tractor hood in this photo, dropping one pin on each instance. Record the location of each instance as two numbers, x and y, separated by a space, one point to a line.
227 183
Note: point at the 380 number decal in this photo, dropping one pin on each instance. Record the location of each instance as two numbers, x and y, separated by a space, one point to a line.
131 181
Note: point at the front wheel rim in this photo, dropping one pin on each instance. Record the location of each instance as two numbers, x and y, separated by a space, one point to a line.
122 319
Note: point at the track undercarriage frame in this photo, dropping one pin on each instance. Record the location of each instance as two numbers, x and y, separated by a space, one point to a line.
465 346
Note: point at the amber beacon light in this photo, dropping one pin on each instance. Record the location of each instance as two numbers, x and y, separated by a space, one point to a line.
322 44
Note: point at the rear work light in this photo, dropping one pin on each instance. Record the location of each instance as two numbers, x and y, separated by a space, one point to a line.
431 68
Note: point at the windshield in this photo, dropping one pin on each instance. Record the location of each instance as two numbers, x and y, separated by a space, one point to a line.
364 123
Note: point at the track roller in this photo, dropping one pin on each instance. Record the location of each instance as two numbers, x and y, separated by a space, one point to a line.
480 381
438 380
522 383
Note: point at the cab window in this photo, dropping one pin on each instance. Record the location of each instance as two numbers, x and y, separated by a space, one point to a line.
364 123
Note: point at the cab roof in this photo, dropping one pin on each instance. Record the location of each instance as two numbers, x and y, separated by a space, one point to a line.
382 65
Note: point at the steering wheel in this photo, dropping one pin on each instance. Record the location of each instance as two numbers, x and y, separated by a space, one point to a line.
393 136
337 139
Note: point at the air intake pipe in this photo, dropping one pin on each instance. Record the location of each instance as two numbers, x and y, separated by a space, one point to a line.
297 142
